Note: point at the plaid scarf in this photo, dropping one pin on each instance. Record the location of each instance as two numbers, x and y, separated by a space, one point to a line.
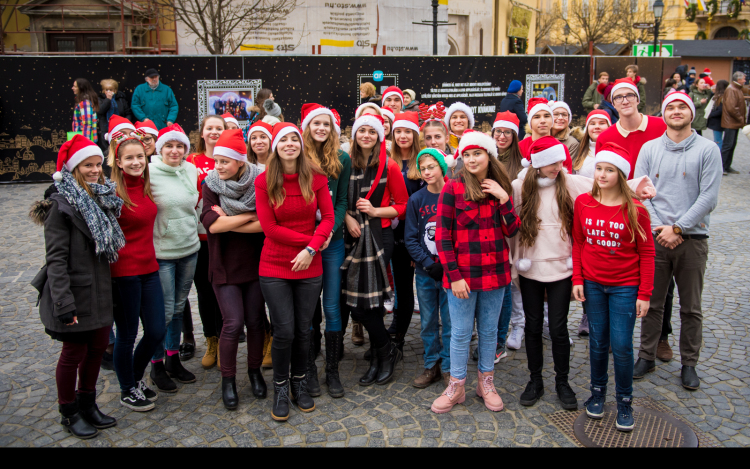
365 281
235 197
100 213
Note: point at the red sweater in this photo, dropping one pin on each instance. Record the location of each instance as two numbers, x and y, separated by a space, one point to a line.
395 188
203 164
291 227
654 128
137 257
603 252
525 148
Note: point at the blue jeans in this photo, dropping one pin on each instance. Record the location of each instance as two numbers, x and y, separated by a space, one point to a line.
433 305
719 137
485 307
176 276
503 324
333 257
611 312
137 297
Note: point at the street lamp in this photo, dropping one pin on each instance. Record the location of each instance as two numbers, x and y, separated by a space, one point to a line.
658 12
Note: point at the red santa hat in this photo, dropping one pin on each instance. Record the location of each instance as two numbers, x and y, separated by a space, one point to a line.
388 112
559 104
458 106
230 118
506 120
408 120
172 133
707 71
598 114
361 109
678 96
280 130
624 83
537 104
232 145
374 121
73 152
546 151
392 91
118 123
262 127
311 110
147 127
471 139
616 155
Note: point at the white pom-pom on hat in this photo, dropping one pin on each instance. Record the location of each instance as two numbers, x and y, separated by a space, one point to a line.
523 265
569 263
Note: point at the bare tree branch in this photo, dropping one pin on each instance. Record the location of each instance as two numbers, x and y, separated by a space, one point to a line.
546 22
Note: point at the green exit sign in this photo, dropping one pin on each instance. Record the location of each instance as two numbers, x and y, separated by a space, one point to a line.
647 50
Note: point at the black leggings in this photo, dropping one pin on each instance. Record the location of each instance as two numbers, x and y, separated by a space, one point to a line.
208 307
372 319
558 302
403 280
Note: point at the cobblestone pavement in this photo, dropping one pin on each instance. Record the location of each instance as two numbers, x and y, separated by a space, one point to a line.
392 415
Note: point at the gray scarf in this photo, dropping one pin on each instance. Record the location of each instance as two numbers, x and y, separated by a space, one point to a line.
100 213
236 197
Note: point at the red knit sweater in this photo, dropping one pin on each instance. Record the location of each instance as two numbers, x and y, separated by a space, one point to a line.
291 227
137 257
603 252
655 128
203 164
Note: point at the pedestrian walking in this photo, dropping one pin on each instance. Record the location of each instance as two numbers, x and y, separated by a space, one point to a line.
713 121
733 116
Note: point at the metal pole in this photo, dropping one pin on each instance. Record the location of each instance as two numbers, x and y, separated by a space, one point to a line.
656 38
434 27
122 25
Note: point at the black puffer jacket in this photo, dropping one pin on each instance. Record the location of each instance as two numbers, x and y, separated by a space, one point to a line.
74 279
714 118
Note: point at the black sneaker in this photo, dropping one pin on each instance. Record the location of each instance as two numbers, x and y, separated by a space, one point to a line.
160 378
567 396
135 400
532 393
150 394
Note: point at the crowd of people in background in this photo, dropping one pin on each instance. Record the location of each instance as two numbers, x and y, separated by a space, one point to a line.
280 227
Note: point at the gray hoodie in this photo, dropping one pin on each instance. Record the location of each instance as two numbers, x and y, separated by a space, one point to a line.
687 177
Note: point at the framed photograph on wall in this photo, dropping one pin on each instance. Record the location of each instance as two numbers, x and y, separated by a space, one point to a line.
551 87
217 97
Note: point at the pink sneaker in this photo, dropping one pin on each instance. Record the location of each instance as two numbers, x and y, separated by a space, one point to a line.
486 390
453 394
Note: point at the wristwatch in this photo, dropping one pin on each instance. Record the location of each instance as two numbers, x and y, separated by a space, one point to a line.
677 230
310 251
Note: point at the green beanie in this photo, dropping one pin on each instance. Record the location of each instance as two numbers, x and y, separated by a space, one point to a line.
439 157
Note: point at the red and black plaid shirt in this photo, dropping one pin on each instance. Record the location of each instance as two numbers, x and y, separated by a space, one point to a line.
471 236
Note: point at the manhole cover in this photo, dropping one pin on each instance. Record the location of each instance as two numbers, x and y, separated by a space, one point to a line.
653 429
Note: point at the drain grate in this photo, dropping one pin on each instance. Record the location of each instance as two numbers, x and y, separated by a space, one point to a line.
655 427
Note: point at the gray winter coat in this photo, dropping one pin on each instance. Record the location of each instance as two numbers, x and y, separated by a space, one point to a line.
74 279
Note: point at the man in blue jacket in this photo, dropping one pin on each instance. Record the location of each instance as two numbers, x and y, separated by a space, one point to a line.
512 102
154 100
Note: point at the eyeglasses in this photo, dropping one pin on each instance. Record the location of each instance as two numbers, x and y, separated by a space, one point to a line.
563 115
626 97
147 140
428 168
506 133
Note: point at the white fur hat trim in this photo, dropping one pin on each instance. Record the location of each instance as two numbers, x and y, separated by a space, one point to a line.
458 106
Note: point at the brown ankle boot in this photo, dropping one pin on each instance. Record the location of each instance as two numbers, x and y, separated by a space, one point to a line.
358 334
664 351
428 376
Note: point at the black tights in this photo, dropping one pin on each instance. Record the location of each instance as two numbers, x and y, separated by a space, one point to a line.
403 280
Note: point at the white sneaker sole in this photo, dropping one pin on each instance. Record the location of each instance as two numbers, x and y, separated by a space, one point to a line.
500 357
136 408
594 416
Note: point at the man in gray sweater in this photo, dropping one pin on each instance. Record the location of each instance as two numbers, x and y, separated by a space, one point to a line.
686 170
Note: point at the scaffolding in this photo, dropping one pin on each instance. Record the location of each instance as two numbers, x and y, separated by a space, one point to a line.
146 19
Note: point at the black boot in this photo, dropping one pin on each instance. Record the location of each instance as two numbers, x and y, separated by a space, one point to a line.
229 392
335 389
388 356
400 340
73 422
160 378
372 372
533 392
176 370
341 345
300 395
257 383
313 385
690 378
90 411
280 411
393 328
642 367
566 395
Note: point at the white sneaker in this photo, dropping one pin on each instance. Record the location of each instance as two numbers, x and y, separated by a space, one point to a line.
515 338
388 304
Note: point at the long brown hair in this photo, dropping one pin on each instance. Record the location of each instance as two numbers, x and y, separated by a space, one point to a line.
251 156
413 172
438 125
358 159
86 93
119 179
305 169
495 171
263 94
328 159
200 148
628 206
529 213
513 165
583 151
83 183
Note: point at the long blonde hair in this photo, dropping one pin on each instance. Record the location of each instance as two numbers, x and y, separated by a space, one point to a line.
438 125
328 159
529 212
119 179
305 169
413 172
628 206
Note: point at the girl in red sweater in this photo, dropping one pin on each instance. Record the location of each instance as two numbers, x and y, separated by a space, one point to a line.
374 181
288 194
613 274
135 276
